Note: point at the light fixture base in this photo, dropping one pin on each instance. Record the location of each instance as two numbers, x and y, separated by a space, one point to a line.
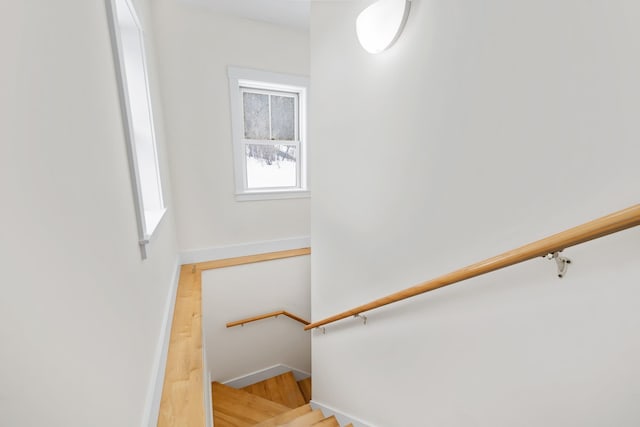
379 25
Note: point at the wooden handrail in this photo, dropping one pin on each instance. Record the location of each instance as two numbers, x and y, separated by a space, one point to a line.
266 316
600 227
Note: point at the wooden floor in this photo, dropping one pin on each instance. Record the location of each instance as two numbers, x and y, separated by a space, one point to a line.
182 401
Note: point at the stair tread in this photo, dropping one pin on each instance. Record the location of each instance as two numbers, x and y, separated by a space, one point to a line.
327 422
305 388
238 408
286 417
306 419
281 389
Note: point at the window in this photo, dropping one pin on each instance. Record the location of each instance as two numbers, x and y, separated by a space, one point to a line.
268 119
128 46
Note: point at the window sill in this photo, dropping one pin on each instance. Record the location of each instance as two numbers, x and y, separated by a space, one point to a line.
152 220
272 195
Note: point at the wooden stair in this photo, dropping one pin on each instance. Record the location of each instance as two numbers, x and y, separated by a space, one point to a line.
328 422
286 417
281 389
238 408
305 388
279 401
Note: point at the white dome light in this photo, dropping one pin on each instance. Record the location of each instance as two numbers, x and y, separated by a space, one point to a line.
380 25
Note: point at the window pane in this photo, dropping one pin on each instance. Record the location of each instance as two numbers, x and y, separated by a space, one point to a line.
256 115
135 92
270 166
141 118
283 118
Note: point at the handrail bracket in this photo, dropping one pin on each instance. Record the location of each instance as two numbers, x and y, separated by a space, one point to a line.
361 316
561 261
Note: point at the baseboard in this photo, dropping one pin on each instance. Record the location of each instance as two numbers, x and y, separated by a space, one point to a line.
342 418
206 383
208 399
245 249
265 373
154 394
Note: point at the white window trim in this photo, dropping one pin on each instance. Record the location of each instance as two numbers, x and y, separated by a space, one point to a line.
256 79
147 220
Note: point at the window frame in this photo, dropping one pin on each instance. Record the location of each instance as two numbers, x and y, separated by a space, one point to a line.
243 80
148 219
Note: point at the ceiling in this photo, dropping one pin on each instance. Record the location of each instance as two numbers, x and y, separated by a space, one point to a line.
290 13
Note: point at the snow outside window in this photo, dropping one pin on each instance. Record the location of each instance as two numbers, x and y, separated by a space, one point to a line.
269 123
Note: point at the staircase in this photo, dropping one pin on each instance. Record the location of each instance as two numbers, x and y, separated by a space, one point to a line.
280 401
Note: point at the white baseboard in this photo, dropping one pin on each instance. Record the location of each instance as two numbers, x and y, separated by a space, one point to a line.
154 393
245 249
208 401
206 383
342 418
265 373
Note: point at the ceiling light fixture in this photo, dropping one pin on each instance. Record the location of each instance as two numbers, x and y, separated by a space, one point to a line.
380 24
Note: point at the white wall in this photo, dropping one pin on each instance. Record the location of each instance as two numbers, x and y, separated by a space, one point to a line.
235 293
80 312
196 47
488 125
